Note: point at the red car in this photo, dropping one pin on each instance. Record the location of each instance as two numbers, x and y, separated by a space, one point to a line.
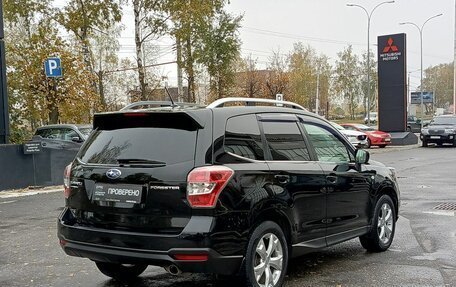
374 137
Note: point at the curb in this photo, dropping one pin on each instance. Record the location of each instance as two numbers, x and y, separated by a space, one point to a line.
16 193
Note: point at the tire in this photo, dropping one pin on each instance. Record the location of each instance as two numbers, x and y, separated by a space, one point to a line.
121 272
261 236
424 143
454 141
383 227
368 143
382 146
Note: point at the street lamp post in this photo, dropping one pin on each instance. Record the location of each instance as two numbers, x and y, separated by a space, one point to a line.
369 16
420 29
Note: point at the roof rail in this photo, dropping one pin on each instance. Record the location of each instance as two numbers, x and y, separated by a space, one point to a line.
157 104
252 101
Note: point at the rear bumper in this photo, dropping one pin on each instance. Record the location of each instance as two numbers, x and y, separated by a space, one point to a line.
215 263
160 250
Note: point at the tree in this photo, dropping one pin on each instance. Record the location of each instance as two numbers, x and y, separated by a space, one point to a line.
189 21
439 79
249 81
41 100
86 17
25 12
150 22
373 81
303 70
347 80
218 51
277 80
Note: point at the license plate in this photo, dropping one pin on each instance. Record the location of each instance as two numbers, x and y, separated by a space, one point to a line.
387 140
124 193
435 137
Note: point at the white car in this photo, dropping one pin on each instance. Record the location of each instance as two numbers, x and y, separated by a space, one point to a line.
358 139
373 118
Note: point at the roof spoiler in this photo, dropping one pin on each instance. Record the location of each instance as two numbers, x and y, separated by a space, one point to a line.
131 119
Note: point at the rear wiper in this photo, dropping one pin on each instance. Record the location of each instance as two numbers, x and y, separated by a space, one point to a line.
141 162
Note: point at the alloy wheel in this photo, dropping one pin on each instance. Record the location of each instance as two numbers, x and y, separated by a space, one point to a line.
385 223
268 260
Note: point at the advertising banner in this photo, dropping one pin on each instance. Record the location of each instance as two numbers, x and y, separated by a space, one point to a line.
428 98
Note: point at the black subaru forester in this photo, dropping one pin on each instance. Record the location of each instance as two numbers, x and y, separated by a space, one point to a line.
221 189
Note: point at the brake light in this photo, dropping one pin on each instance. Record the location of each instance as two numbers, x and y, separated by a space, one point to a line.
66 181
204 185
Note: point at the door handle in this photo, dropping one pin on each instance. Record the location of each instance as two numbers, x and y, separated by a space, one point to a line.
282 178
331 178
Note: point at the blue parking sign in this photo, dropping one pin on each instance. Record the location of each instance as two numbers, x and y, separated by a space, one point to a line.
52 67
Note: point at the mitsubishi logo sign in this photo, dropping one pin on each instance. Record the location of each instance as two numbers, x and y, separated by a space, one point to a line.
390 46
390 52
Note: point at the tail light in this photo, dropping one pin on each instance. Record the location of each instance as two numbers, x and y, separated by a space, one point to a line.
204 185
66 181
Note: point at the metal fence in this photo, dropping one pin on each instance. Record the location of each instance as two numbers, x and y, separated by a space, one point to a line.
43 168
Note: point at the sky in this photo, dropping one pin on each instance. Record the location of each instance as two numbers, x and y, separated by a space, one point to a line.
328 26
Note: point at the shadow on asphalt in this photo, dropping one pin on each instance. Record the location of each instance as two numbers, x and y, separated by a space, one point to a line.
183 280
313 264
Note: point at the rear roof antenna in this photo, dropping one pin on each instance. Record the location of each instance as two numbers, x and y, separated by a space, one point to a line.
169 95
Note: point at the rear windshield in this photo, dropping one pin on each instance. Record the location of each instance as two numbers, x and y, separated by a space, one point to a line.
165 145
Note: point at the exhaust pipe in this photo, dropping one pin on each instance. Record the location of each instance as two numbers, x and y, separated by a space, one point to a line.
173 269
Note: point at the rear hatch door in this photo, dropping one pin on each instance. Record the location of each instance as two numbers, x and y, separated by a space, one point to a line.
131 172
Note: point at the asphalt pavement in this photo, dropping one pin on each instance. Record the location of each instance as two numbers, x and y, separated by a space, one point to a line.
423 252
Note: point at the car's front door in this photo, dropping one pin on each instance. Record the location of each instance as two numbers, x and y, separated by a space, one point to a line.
348 190
296 176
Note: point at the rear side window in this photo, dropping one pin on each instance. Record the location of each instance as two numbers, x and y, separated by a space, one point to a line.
285 141
166 145
243 138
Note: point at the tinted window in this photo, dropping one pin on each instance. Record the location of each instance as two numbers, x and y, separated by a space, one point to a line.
285 141
327 145
157 144
242 137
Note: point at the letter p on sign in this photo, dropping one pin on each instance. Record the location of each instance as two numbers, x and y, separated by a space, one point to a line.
52 68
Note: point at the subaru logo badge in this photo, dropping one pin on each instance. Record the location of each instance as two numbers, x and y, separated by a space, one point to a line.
113 173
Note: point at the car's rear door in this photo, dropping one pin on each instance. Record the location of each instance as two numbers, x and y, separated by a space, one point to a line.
348 190
297 178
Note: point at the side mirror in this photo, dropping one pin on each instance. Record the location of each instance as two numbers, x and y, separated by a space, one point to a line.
76 139
362 156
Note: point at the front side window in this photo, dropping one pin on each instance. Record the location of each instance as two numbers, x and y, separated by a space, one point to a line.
328 146
243 138
285 141
68 134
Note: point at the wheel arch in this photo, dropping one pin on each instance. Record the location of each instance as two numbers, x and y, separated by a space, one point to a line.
277 216
391 192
